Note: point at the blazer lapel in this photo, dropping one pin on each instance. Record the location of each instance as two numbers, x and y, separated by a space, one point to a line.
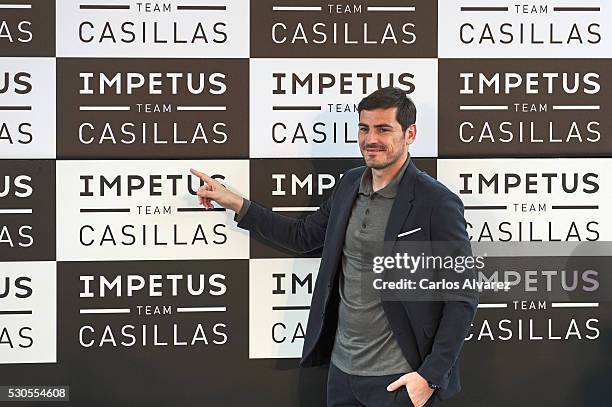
341 217
403 203
345 206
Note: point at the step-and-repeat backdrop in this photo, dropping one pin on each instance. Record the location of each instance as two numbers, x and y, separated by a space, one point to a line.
114 282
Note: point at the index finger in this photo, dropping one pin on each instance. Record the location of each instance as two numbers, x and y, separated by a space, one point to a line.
201 175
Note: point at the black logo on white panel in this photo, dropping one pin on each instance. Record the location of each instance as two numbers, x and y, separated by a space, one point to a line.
189 28
27 108
145 212
531 199
530 29
28 312
297 110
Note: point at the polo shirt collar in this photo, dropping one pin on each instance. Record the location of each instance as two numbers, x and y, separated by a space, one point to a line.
390 190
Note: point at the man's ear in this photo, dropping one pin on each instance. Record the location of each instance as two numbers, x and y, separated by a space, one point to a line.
410 134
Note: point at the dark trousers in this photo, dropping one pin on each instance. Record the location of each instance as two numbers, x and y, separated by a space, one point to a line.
345 390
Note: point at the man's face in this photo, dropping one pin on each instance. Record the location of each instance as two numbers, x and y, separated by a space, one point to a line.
381 139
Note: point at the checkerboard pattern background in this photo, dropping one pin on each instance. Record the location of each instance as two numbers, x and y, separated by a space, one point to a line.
115 283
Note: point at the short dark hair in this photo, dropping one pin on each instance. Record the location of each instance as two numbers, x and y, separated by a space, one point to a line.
390 96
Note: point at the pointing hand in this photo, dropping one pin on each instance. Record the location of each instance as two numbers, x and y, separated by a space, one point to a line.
213 190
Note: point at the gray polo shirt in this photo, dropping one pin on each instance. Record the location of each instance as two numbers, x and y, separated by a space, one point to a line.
365 344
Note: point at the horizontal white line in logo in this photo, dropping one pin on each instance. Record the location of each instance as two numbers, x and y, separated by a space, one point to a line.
104 108
483 107
9 6
492 305
391 8
105 311
197 108
575 304
575 107
297 8
201 309
14 211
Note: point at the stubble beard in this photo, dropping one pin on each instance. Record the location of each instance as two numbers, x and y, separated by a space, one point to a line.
384 164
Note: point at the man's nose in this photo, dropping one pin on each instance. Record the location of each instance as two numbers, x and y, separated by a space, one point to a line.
369 137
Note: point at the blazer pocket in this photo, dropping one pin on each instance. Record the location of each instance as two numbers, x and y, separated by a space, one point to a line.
408 232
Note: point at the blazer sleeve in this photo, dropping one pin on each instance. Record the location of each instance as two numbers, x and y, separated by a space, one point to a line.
448 224
299 235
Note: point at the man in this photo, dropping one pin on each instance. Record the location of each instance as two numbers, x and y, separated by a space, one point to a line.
381 353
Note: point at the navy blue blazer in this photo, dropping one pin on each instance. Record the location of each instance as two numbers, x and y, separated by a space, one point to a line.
430 334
